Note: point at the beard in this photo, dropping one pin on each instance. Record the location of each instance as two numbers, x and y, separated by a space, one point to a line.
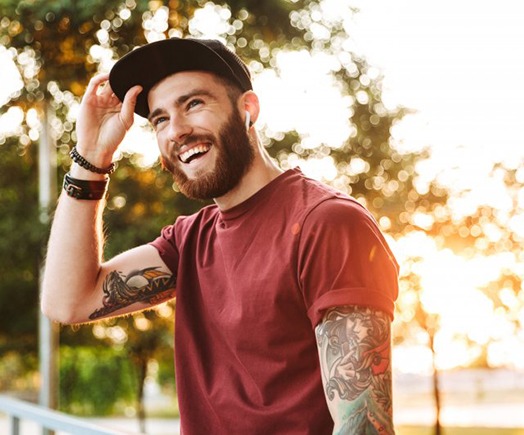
235 155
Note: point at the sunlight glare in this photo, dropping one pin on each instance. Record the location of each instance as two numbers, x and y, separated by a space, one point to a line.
11 121
319 169
412 359
507 352
10 78
452 288
289 102
140 140
210 21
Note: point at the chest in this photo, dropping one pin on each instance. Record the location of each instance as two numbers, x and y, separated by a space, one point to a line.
233 275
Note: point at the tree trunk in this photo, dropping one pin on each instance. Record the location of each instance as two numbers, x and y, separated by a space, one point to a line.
436 387
141 410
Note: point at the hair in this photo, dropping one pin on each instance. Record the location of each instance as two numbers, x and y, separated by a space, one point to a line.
232 88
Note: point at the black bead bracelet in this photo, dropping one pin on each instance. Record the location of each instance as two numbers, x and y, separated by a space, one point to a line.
77 158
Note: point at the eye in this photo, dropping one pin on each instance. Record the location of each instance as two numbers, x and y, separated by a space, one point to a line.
158 120
194 103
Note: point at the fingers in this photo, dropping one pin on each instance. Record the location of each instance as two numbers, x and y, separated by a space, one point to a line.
128 106
99 86
96 81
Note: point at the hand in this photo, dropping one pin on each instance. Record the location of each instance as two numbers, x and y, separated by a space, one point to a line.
103 120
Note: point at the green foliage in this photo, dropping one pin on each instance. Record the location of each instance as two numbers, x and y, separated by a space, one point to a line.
141 202
59 34
16 369
95 380
140 339
21 239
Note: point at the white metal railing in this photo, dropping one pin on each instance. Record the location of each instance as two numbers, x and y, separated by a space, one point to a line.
49 420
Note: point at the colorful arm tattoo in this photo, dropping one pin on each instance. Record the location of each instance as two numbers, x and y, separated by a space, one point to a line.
355 358
148 285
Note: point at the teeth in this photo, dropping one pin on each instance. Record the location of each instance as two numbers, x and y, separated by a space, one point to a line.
186 155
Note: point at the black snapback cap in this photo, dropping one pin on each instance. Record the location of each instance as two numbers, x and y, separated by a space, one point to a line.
151 63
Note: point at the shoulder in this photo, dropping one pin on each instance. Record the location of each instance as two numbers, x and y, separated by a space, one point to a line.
342 222
338 212
342 209
339 223
315 206
317 200
319 195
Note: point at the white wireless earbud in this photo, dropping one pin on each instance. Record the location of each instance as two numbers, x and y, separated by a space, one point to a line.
248 119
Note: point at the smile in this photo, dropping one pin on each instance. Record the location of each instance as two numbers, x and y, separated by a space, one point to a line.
193 153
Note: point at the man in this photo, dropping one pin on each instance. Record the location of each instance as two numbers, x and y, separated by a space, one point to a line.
285 288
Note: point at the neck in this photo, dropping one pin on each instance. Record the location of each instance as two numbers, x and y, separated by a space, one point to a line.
262 171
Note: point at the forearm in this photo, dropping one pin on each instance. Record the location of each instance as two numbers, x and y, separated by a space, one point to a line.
365 413
74 254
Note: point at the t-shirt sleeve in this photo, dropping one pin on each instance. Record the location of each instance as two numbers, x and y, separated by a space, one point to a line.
166 245
345 260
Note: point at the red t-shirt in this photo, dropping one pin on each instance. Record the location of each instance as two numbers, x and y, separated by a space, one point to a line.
252 284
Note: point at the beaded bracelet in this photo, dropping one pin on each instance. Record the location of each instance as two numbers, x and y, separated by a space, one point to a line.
85 189
77 158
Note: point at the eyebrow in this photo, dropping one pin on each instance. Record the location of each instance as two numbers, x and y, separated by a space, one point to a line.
182 99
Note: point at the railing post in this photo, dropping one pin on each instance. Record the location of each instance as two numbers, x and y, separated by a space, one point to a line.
15 425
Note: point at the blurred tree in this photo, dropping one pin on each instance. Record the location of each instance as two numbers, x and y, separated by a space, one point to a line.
63 35
95 380
20 241
137 342
486 229
507 296
493 232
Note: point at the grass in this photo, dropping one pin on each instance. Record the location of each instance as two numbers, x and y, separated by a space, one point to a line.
424 430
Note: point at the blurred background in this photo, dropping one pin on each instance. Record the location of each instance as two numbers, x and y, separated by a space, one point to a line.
414 108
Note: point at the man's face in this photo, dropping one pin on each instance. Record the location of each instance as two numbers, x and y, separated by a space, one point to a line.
200 133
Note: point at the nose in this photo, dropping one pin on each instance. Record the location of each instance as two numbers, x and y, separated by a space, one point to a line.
179 129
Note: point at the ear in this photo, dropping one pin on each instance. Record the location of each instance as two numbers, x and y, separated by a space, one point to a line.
249 103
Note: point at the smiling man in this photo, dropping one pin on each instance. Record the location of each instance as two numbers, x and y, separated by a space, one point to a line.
285 288
202 164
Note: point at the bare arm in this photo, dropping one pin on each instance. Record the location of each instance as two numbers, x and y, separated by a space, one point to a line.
78 286
355 360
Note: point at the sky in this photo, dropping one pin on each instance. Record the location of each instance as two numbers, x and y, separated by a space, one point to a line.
460 65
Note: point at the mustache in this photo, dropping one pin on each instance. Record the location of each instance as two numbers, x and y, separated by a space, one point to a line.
192 139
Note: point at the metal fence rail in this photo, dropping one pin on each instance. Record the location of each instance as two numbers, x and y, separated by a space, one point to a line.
19 410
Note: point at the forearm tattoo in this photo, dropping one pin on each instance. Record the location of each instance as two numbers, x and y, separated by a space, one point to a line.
354 347
148 285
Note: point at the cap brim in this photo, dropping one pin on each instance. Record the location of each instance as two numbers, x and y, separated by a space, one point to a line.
149 64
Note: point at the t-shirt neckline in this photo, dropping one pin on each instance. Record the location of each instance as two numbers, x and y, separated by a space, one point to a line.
259 196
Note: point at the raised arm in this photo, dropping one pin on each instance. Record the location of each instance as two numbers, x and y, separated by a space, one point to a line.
77 285
355 360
